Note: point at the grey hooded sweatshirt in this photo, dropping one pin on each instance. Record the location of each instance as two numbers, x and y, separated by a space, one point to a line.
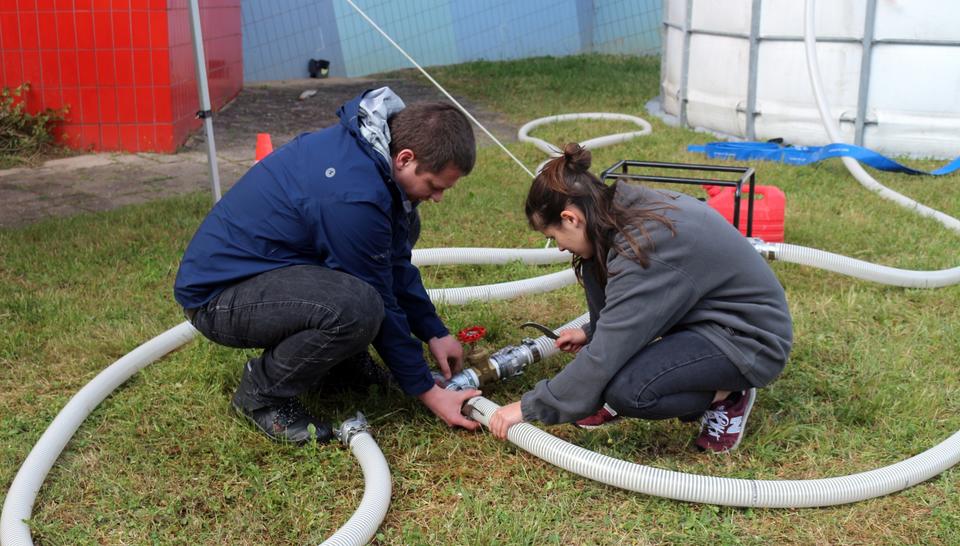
706 277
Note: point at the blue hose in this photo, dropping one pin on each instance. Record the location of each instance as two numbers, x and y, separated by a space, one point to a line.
805 155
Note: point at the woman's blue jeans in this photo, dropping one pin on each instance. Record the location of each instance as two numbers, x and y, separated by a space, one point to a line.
676 376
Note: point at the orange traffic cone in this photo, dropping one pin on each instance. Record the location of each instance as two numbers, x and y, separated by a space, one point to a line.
264 146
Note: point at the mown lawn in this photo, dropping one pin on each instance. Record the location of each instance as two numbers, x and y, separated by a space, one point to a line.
872 380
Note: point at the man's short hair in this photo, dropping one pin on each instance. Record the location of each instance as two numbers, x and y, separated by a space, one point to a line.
437 132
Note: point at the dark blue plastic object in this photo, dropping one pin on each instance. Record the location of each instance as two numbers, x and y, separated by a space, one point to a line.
805 155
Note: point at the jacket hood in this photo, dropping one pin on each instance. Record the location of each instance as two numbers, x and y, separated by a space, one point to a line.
365 117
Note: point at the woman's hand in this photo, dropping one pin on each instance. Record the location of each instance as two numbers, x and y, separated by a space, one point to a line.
571 340
504 418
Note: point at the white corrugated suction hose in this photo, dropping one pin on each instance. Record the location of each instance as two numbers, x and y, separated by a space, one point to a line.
499 291
713 490
863 270
725 491
18 505
524 134
547 347
23 491
363 524
504 290
477 256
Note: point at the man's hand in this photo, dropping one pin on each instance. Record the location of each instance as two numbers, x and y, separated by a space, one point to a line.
504 418
448 353
571 340
446 405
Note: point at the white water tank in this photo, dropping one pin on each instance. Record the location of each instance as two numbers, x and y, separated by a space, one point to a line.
890 68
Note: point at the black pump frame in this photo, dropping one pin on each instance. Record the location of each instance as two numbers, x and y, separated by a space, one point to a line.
621 170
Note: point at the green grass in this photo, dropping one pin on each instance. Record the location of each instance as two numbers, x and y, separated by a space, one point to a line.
872 379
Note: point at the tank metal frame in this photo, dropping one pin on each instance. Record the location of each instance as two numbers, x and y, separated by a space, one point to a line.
749 109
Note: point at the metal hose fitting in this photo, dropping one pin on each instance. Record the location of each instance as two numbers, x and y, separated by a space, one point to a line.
502 365
767 250
351 427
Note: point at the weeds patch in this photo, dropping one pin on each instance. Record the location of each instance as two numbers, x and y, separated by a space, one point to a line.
24 137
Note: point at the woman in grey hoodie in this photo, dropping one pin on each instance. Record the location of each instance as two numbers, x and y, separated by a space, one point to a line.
686 319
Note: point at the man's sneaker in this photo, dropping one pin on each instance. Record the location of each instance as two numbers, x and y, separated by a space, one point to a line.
355 374
287 422
605 415
722 426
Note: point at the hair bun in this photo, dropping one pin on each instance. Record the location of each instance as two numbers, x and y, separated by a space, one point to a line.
576 157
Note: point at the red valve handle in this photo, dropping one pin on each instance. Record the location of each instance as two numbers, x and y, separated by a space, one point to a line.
471 334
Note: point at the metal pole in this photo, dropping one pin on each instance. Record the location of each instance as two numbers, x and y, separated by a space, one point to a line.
664 31
205 113
865 61
752 76
685 63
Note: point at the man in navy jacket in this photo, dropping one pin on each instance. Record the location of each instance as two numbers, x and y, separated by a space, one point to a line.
308 257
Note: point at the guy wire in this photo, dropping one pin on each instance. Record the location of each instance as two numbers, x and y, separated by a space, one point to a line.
440 87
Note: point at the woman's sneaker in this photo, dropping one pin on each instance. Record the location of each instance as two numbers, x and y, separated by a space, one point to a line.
605 415
723 424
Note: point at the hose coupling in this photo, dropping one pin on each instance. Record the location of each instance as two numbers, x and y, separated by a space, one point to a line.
513 359
466 379
351 427
503 364
767 250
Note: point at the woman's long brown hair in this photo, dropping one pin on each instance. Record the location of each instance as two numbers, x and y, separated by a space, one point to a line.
567 181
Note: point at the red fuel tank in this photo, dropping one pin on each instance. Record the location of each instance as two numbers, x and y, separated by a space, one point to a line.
769 207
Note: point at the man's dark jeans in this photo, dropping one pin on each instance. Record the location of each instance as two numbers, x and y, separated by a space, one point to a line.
307 318
676 376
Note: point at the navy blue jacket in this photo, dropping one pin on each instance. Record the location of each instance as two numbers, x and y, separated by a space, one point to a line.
326 198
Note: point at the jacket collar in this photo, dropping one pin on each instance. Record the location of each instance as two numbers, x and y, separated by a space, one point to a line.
378 105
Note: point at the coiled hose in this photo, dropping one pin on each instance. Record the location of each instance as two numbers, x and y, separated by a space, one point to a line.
523 135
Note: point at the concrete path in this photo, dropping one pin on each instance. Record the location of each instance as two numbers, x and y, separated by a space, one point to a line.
91 183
